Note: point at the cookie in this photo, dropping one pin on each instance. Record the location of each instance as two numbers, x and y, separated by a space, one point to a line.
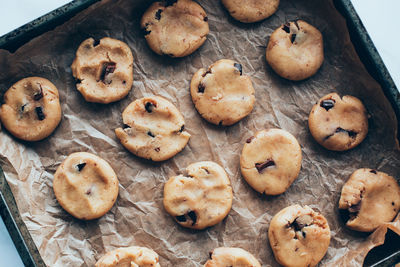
130 256
85 185
299 236
104 70
222 94
271 161
153 129
295 50
233 257
175 28
369 199
251 10
338 123
31 109
200 199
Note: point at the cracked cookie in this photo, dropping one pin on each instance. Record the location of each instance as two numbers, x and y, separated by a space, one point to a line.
31 109
338 123
369 198
271 161
251 10
175 28
153 129
104 70
85 185
233 257
295 50
200 199
299 236
129 256
222 94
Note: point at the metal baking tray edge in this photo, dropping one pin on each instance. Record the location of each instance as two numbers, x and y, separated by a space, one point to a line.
13 40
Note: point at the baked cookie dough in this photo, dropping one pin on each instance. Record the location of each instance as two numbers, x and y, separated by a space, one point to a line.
129 257
31 109
251 10
295 50
233 257
222 94
104 70
85 185
271 161
370 198
175 28
200 199
299 236
338 123
153 129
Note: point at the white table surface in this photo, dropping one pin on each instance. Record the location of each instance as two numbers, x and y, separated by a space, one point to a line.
379 18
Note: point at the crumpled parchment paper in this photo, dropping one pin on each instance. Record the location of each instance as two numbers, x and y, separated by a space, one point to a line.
138 217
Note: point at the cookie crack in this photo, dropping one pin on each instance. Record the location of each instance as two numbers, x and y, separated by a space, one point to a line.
352 134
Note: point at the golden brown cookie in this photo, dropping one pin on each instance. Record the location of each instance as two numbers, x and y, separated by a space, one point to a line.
338 123
371 198
85 185
31 109
233 257
175 28
129 257
295 50
200 199
271 161
222 94
251 10
104 70
153 129
299 236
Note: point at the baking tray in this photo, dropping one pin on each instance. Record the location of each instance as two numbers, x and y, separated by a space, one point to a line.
385 255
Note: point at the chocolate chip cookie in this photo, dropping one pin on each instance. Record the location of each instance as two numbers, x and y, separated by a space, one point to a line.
175 28
295 50
201 198
251 10
85 185
233 257
153 129
299 236
369 198
31 109
271 161
130 256
222 94
104 70
338 123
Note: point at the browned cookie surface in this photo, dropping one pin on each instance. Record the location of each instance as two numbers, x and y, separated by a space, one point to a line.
129 257
251 10
233 257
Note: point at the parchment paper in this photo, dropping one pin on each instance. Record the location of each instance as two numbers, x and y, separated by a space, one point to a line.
138 217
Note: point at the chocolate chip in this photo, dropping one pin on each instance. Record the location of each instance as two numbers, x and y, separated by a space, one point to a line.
201 88
149 107
205 18
263 165
249 140
327 104
39 113
169 2
157 149
293 38
286 27
96 42
150 134
37 96
304 234
23 107
107 68
210 254
89 191
145 31
355 208
158 14
80 166
182 128
126 126
192 215
373 171
123 82
297 25
181 218
392 203
239 67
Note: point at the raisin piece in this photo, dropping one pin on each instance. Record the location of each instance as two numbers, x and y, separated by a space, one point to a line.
327 104
39 113
158 14
263 165
150 134
249 140
286 27
37 96
80 166
181 218
201 88
192 215
108 67
149 107
293 38
239 67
